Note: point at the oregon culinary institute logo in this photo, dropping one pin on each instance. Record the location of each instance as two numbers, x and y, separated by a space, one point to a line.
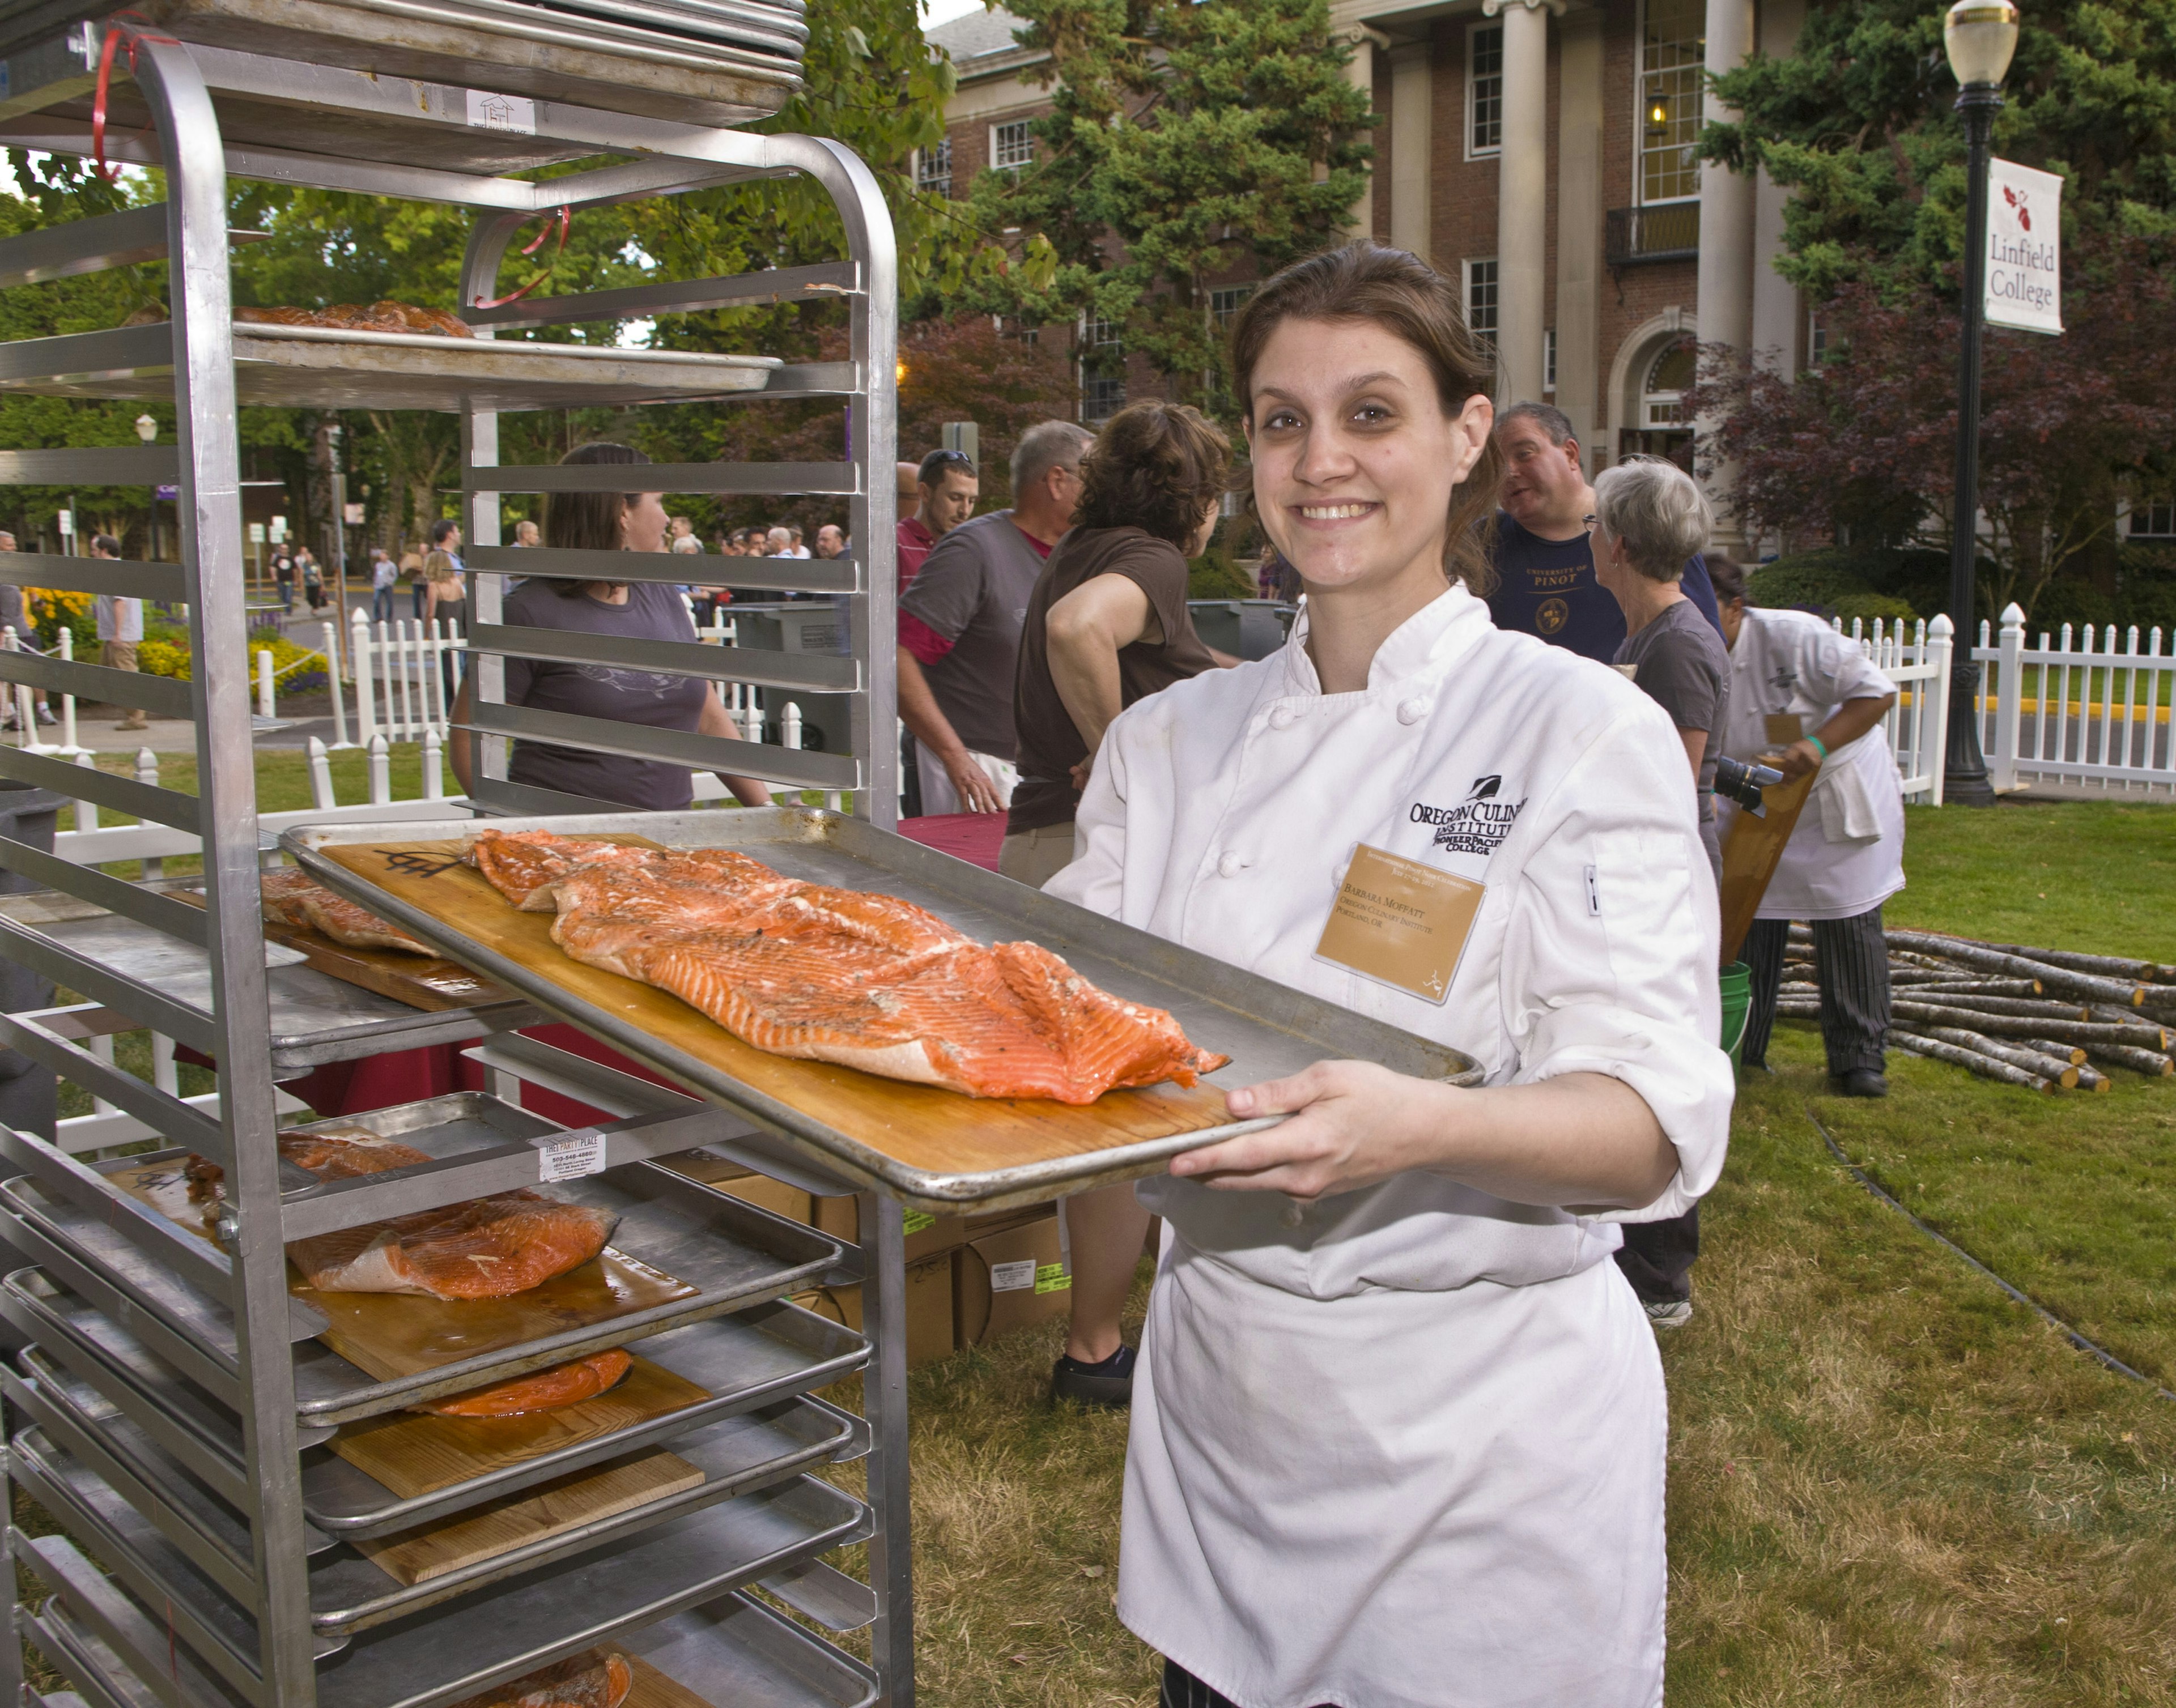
1476 825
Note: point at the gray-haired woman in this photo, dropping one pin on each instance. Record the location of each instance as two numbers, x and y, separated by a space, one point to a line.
1648 519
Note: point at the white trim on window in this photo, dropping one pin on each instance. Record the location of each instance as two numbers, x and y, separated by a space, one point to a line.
1668 77
1478 287
932 169
1484 90
1012 145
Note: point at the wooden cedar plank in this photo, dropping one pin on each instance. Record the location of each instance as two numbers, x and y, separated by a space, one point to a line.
551 1509
416 1453
924 1127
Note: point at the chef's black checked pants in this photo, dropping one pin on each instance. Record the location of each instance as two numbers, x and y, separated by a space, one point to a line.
1851 958
1182 1689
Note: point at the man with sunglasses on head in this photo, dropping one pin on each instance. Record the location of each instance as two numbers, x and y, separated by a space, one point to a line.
946 488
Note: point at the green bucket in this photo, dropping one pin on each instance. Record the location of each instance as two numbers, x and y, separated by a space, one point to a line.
1737 1002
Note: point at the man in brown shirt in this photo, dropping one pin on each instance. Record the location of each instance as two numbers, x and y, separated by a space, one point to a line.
1106 626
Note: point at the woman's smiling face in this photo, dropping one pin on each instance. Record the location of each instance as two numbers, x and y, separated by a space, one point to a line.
1354 458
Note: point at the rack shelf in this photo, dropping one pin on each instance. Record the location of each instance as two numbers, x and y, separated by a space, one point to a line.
177 1411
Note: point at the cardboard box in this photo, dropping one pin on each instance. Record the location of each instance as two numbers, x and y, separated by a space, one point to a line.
929 1308
723 1174
1010 1279
926 1235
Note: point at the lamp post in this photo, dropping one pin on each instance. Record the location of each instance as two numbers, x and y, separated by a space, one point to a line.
1980 35
147 430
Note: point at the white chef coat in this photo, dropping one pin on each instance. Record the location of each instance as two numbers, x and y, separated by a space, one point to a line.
1405 1447
1846 853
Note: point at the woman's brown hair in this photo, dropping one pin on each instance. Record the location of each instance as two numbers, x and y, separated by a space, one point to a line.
1155 466
1402 294
588 521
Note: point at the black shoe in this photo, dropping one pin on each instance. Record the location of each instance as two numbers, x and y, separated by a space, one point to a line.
1860 1082
1110 1383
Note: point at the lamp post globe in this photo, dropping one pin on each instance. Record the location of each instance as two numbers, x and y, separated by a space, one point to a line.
146 429
1980 36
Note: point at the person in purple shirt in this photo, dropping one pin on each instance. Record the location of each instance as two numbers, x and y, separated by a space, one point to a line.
1546 584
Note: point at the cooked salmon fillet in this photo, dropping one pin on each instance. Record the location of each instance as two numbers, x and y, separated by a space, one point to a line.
540 1390
486 1248
868 981
593 1678
292 898
525 866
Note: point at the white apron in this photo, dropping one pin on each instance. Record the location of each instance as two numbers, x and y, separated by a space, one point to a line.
1845 855
1405 1447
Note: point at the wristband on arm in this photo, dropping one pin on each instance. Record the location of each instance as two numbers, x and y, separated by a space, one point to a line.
1820 746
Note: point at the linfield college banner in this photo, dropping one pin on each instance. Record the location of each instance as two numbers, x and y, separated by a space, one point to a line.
2024 247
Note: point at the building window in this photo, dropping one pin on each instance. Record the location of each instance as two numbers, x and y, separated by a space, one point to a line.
1011 145
1549 360
1669 378
1817 338
1481 297
1102 396
1099 334
2154 522
932 169
1673 52
1484 90
1225 303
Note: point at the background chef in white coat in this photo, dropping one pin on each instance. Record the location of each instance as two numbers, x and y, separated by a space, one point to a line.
1398 1432
1845 856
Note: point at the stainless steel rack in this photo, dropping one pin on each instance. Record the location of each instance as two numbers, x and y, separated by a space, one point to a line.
175 1408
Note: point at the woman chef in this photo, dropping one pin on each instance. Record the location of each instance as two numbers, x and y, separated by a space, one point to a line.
1398 1431
1824 698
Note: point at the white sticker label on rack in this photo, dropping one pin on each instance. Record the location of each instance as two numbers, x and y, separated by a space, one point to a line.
1012 1277
501 113
570 1158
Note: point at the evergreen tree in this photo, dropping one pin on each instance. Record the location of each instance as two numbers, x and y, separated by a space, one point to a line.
1191 143
1859 122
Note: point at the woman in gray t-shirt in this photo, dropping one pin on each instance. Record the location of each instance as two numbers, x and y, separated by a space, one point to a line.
1648 519
625 610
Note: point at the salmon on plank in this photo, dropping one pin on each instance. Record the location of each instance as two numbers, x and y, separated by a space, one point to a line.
485 1248
540 1390
292 898
592 1679
525 866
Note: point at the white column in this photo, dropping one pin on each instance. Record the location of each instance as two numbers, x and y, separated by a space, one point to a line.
1726 241
1413 110
1522 190
1775 315
1360 72
1580 107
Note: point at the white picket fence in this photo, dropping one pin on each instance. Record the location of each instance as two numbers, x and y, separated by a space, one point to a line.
401 669
2090 708
1917 728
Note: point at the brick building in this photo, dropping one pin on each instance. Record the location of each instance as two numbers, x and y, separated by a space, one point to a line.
1539 152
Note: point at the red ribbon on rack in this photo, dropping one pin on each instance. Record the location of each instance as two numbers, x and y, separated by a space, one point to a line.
117 37
530 249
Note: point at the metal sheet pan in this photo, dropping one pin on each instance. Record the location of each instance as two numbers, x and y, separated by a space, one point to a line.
313 1019
348 1592
291 366
443 1653
1268 1028
749 1360
733 1651
734 1256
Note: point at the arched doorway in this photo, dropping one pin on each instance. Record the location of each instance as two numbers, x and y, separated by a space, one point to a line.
1659 424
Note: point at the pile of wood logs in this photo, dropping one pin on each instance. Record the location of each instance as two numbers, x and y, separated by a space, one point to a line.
2047 1019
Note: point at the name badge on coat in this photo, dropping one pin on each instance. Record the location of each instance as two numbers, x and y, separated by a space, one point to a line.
1400 923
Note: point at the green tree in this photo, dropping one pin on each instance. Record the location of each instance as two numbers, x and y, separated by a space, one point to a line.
1858 122
1191 143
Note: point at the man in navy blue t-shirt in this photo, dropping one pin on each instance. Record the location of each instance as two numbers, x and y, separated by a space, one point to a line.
1544 563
